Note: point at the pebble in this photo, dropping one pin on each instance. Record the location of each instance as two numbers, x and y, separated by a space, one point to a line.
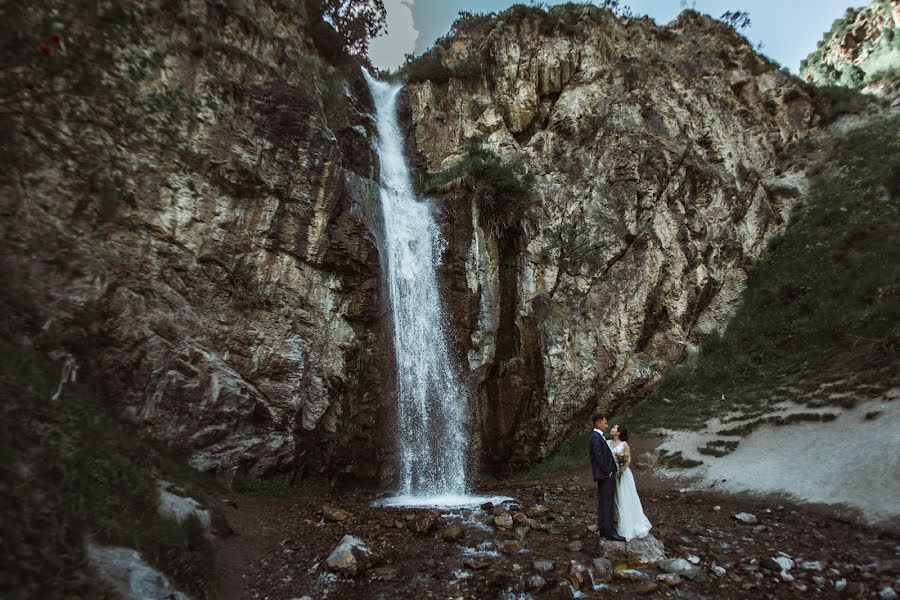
887 593
544 566
504 521
536 583
840 585
509 547
335 515
693 559
784 562
718 571
746 518
575 546
603 569
669 579
812 565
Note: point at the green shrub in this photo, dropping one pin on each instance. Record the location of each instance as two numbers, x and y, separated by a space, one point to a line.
430 66
500 189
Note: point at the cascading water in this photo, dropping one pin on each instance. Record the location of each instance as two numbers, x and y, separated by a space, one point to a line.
431 403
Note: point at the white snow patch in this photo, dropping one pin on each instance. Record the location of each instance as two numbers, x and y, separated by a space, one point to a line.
851 460
441 501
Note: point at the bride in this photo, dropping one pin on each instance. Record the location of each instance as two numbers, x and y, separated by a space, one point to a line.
632 521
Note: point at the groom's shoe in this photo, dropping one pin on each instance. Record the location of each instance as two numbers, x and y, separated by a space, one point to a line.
615 538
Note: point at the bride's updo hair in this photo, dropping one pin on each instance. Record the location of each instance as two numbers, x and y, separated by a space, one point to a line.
623 433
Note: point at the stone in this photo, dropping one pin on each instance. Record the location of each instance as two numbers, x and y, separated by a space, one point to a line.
669 579
476 564
644 587
510 547
579 575
453 533
575 546
503 521
693 559
718 571
424 523
350 557
630 575
811 565
746 518
770 564
179 506
887 593
383 573
335 515
542 566
125 571
679 566
535 583
784 562
645 550
602 569
818 580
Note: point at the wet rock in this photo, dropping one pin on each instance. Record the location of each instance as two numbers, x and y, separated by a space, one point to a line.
746 518
579 575
334 514
718 571
679 566
603 569
350 557
487 506
453 533
510 547
542 566
887 593
646 550
125 571
520 532
630 575
503 521
575 546
669 579
425 523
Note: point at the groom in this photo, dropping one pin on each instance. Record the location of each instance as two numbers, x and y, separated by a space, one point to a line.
604 468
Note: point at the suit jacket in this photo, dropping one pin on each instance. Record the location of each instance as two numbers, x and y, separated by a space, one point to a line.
603 464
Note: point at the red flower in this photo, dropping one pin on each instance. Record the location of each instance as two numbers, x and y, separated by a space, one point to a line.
46 49
56 38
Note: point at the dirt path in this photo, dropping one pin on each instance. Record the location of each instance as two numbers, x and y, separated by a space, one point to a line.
280 548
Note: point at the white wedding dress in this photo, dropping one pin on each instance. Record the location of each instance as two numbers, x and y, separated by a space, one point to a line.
633 523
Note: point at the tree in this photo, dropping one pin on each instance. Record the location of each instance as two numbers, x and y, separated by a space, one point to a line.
737 19
355 21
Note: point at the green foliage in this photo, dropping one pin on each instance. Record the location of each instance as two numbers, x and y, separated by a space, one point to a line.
70 470
822 304
430 66
736 19
346 26
502 190
833 101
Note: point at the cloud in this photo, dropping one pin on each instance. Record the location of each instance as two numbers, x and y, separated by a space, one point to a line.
388 50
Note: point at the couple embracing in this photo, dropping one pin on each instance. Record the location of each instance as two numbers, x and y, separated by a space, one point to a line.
615 484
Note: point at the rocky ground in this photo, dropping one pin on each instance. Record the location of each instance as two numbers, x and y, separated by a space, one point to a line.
540 545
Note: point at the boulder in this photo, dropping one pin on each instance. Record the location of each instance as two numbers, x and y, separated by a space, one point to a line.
453 533
351 556
602 569
125 571
646 550
334 514
175 504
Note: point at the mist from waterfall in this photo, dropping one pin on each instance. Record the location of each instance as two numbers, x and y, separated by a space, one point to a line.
431 402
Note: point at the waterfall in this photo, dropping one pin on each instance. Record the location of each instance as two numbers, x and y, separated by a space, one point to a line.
431 403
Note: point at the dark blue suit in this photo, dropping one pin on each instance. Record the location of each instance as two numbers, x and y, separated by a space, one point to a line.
604 468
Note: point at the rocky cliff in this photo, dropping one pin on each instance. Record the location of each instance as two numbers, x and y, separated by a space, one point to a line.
653 153
861 51
187 219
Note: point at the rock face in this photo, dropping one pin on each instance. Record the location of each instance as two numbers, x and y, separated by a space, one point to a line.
130 576
654 152
861 51
210 259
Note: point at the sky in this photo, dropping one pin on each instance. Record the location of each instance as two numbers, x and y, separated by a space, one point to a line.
788 29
